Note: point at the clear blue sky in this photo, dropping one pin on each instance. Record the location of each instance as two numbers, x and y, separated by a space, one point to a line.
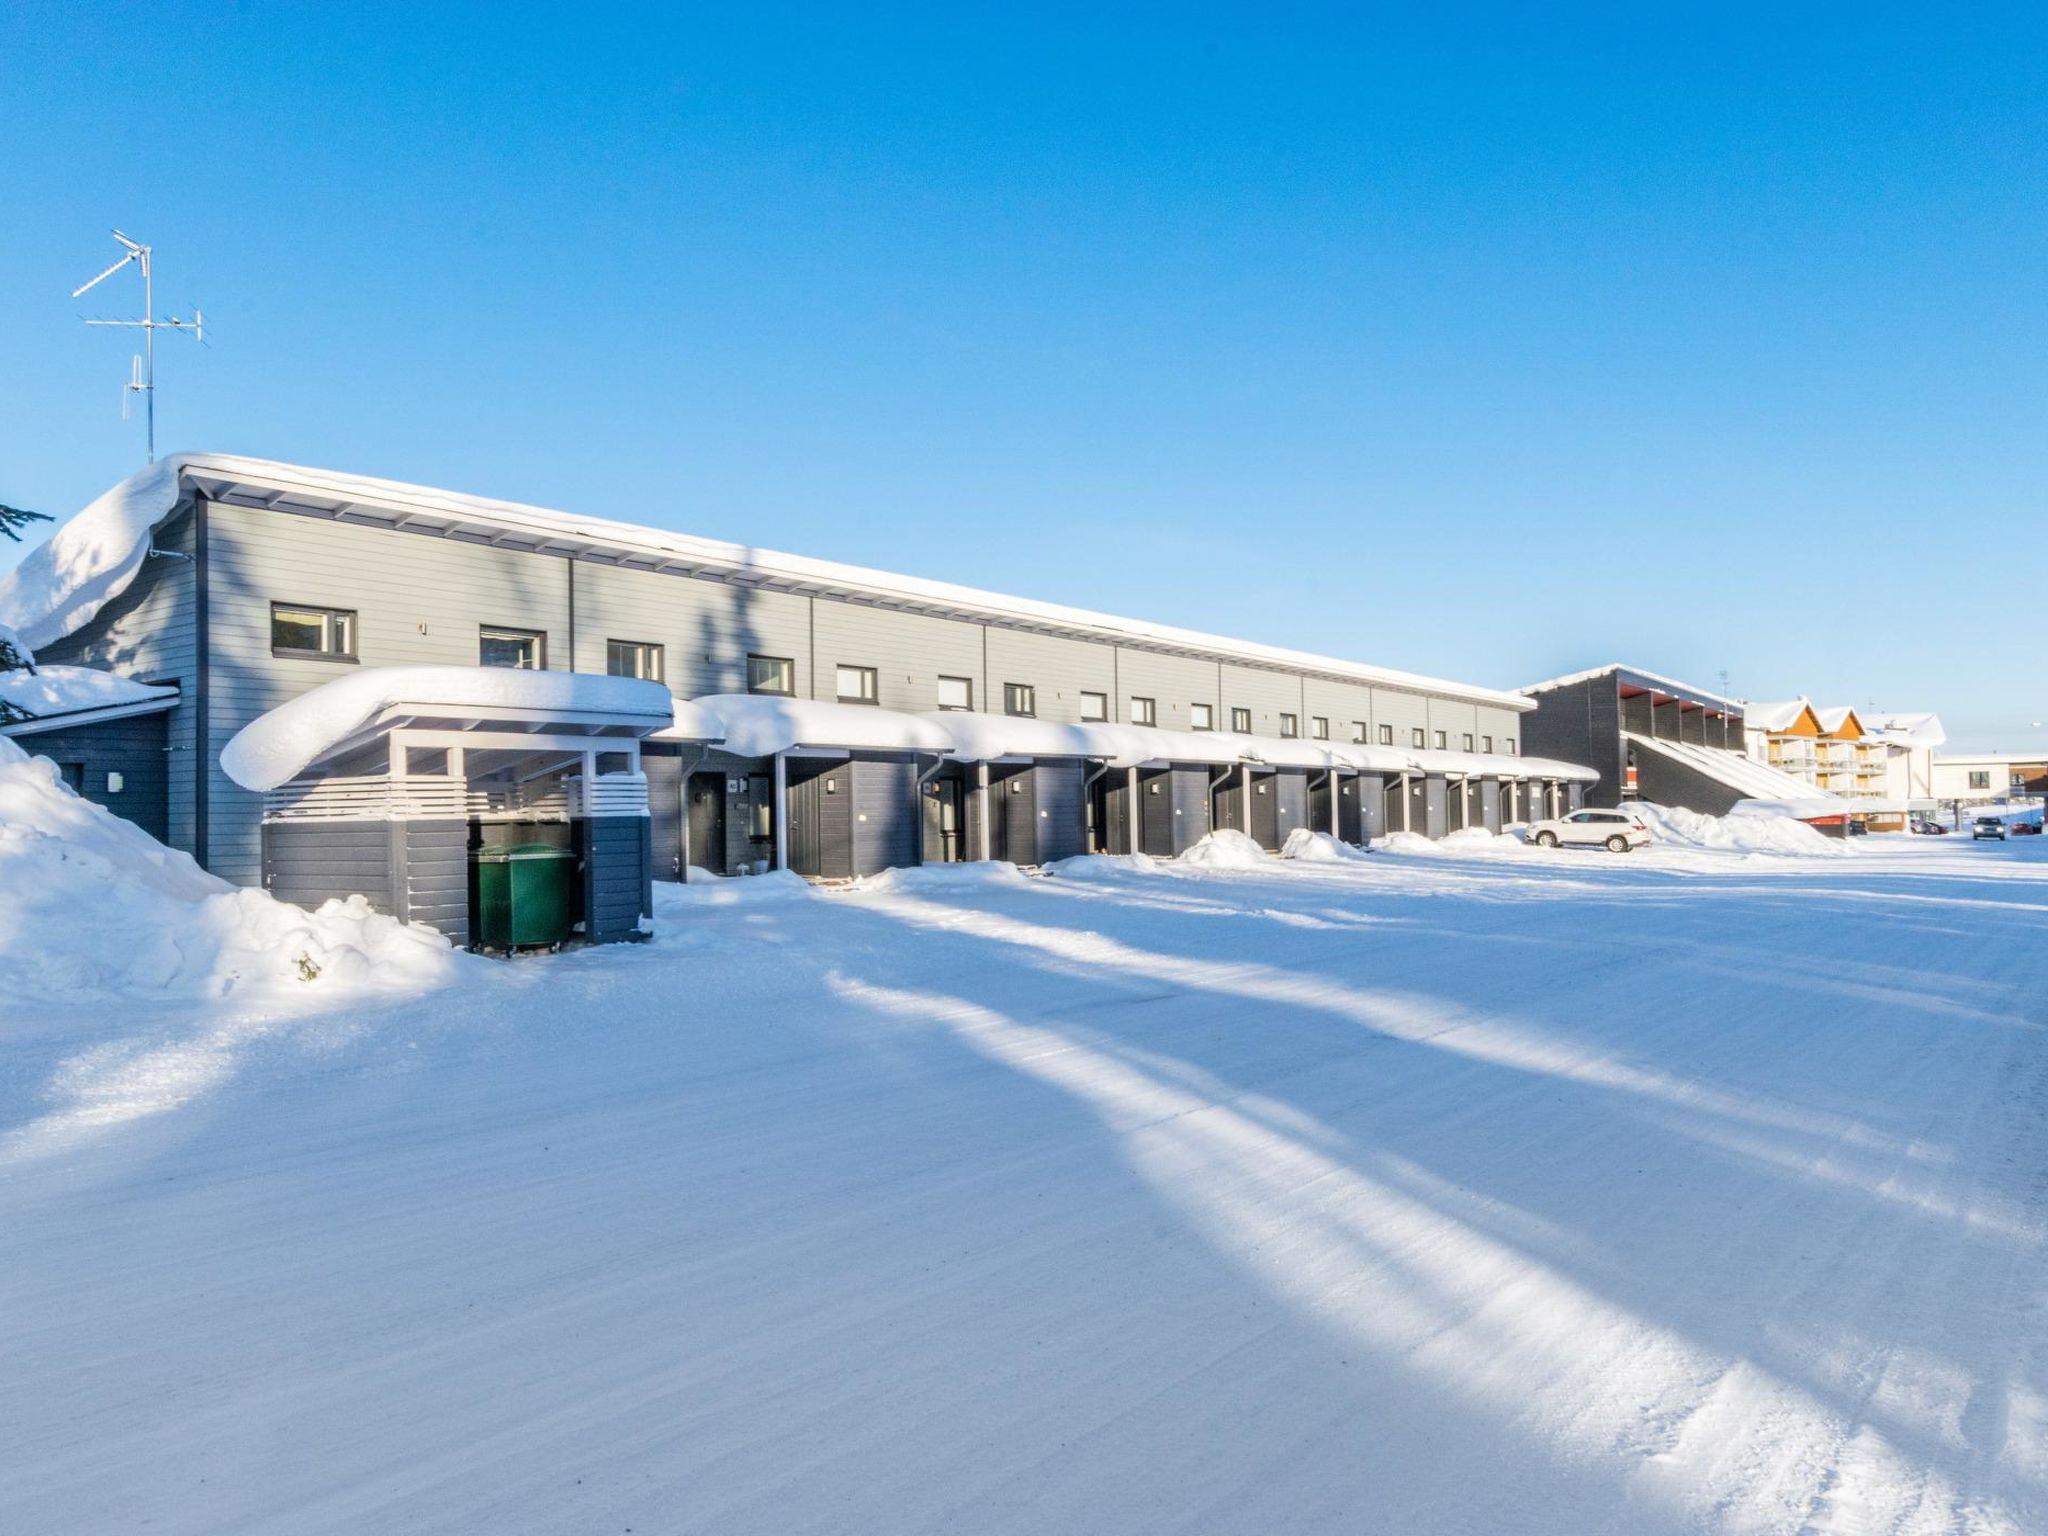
1492 344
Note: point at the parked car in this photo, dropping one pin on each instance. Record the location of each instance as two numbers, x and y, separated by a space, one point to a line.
1928 828
1987 826
1616 831
2025 829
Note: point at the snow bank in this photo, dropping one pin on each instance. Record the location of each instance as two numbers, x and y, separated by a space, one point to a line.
64 581
1318 848
706 889
91 903
1674 826
59 690
1227 849
926 878
276 747
1103 866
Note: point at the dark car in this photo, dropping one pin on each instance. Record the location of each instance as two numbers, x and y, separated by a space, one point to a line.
2025 829
1930 828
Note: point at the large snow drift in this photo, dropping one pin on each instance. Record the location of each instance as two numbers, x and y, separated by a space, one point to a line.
276 747
91 903
1674 826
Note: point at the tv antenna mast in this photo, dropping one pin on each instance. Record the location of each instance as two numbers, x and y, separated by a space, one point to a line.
142 372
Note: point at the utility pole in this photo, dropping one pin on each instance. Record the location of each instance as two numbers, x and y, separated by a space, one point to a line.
142 375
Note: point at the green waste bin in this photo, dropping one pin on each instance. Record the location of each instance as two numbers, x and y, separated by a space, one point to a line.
522 895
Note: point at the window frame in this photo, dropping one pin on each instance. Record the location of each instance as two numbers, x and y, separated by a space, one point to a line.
788 662
1386 735
1144 711
869 677
658 651
1418 738
328 616
1290 726
966 683
1486 745
1507 745
1102 714
1318 727
1240 720
1466 737
510 632
1443 741
1201 717
1027 693
1980 778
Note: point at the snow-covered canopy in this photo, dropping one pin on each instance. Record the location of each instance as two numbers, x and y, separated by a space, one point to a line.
1498 765
54 691
62 584
1290 752
1554 768
277 747
979 737
1132 746
763 724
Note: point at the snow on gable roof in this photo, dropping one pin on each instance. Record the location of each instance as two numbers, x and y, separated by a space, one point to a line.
1778 715
58 695
1837 718
763 724
1670 683
1910 730
62 584
277 747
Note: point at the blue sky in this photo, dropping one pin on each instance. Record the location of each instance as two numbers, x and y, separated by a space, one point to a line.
1489 343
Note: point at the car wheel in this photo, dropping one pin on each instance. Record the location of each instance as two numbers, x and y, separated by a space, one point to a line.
1546 839
1617 845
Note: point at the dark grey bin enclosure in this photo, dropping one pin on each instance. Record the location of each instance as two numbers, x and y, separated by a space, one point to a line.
1290 804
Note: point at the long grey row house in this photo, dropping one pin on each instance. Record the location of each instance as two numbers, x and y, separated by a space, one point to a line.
868 719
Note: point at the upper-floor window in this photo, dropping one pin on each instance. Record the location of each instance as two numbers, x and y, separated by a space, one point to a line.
1443 740
1468 741
1202 717
1094 706
1241 721
324 632
632 658
1486 743
1418 738
1508 746
526 649
1386 735
956 693
1980 778
1360 733
1020 699
1319 727
771 674
856 685
1290 725
1144 711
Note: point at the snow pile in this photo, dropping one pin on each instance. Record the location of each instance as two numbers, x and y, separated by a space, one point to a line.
58 690
1675 827
275 748
65 580
1103 866
1227 849
921 879
14 651
1318 848
92 903
706 889
1404 842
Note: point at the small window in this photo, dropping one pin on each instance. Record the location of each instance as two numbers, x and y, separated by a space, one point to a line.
1508 746
1980 780
1360 733
1468 741
328 632
956 693
523 649
1486 743
1144 711
632 658
1020 699
1290 725
1202 717
857 685
1094 706
1319 727
1417 737
1241 721
1443 740
771 674
1386 735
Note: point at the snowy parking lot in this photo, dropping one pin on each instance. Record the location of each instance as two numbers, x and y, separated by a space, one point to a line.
1467 1189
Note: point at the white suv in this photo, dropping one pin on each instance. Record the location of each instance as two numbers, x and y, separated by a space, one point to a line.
1616 831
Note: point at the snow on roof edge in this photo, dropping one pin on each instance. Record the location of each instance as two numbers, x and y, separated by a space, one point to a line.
78 605
1621 666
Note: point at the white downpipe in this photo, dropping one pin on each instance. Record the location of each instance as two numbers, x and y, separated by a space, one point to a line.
1134 815
1244 779
1330 778
781 811
981 789
1406 817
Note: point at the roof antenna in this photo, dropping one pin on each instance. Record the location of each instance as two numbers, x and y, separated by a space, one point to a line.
142 372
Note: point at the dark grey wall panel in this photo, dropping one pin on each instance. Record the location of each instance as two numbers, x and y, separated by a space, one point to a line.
1668 783
135 748
308 862
885 817
1062 817
1290 803
1190 805
1435 806
664 770
616 877
1265 812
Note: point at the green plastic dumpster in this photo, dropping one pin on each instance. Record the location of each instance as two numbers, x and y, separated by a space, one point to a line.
523 895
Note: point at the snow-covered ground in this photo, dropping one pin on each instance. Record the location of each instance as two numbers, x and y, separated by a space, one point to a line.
1469 1188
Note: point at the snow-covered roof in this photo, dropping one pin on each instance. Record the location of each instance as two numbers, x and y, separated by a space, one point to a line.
62 583
1908 730
763 724
61 695
1670 683
1496 765
979 738
1775 714
1743 774
1835 717
277 747
1131 746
